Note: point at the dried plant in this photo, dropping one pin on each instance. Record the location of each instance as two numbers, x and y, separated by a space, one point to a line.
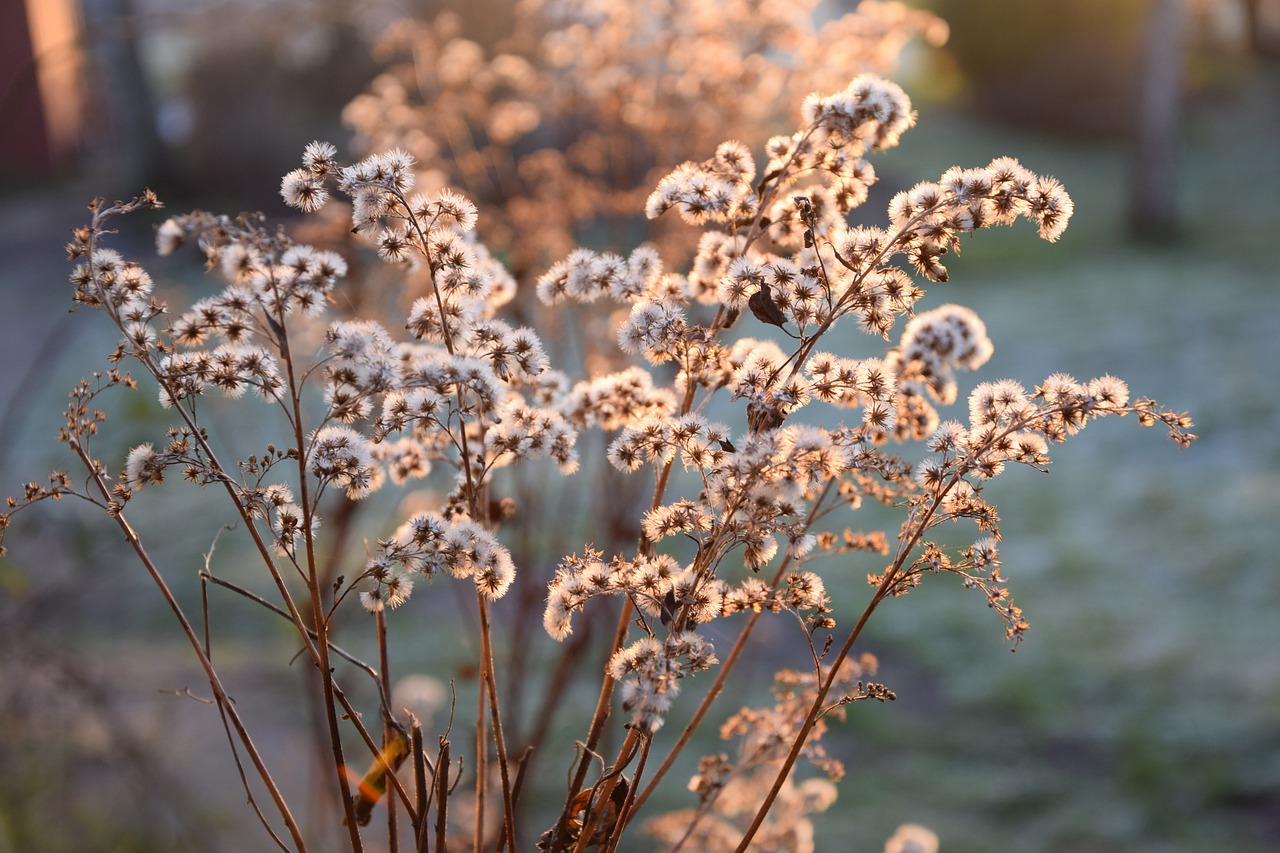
760 439
561 130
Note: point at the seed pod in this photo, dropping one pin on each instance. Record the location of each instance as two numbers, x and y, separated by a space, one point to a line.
764 308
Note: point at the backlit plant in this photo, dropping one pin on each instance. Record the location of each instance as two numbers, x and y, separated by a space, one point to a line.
760 434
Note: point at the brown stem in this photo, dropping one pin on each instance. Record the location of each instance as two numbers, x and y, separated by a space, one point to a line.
811 718
474 506
222 713
319 622
419 786
319 649
495 716
257 599
906 546
354 716
597 726
442 797
717 685
704 706
602 795
215 683
601 713
389 733
629 804
482 770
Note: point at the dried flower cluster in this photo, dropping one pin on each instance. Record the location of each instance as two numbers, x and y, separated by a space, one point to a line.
643 84
746 510
729 788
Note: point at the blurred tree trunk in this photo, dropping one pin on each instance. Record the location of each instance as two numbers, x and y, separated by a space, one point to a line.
1153 207
126 102
1261 39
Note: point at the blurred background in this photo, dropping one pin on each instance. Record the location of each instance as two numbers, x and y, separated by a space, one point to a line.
1143 711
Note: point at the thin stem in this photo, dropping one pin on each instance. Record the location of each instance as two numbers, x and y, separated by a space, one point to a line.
318 619
215 683
798 358
603 701
222 713
337 650
726 666
704 706
597 726
906 546
442 797
495 715
474 506
811 717
744 763
628 805
354 716
419 785
318 650
602 793
482 770
389 729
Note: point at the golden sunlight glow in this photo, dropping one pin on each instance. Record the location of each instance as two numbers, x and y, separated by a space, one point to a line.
59 70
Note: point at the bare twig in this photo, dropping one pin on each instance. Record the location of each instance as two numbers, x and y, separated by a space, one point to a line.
337 650
220 694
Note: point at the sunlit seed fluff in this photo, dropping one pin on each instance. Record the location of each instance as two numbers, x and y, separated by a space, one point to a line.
372 600
302 189
801 546
1030 448
654 329
443 208
948 437
169 236
395 169
142 467
495 570
931 474
633 657
394 245
735 158
1051 207
342 456
139 335
805 591
287 523
318 157
556 618
398 590
240 262
1109 391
